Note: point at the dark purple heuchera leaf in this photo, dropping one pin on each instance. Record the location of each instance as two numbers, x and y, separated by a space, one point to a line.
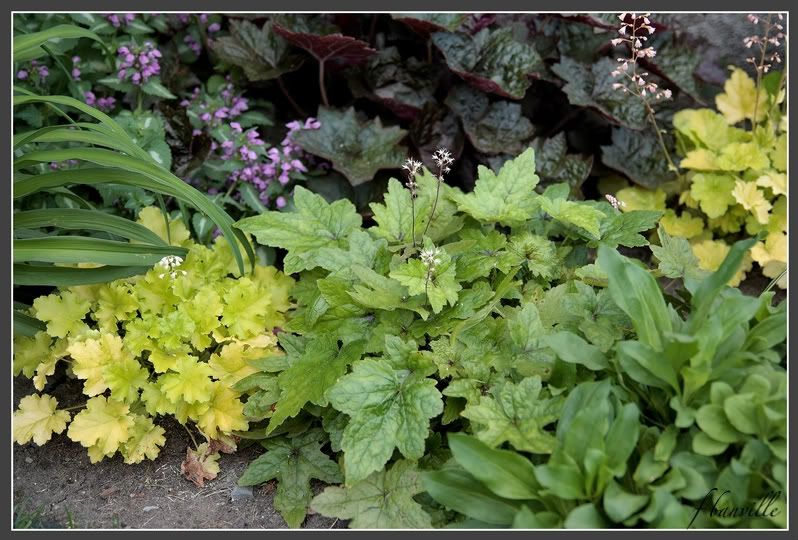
404 87
493 128
555 165
322 39
677 62
427 23
599 20
357 148
637 154
261 53
433 128
591 86
492 60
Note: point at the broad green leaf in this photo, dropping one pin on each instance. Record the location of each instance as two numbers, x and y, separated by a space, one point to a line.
675 256
574 350
357 148
389 408
310 375
459 491
505 473
624 229
518 414
384 500
508 198
638 295
574 213
713 421
396 215
155 88
293 462
438 284
315 224
619 504
586 516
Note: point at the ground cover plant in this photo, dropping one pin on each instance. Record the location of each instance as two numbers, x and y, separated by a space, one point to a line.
474 314
464 270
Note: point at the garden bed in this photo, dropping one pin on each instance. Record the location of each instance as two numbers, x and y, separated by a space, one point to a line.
274 267
56 487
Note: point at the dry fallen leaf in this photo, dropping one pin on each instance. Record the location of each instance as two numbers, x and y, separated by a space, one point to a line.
200 464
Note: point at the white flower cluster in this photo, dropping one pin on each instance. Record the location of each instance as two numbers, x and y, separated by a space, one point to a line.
412 167
442 159
430 258
635 34
170 263
773 35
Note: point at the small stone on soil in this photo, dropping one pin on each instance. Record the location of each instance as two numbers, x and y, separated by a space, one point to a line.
150 508
239 493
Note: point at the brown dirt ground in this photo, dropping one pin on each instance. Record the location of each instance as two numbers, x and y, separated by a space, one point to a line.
57 483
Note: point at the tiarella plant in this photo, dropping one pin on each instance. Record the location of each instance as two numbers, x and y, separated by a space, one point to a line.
432 318
176 341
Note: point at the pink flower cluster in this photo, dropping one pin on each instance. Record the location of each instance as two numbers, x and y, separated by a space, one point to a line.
192 44
105 104
635 33
213 111
772 34
278 164
76 68
185 18
138 63
118 21
35 68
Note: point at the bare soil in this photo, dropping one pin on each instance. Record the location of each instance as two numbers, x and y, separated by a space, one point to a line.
60 488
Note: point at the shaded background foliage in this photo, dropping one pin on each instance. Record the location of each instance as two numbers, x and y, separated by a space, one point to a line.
484 85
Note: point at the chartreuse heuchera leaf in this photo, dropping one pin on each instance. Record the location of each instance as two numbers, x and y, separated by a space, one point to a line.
172 341
37 419
736 174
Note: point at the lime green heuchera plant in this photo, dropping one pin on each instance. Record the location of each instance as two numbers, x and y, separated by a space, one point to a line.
175 341
735 161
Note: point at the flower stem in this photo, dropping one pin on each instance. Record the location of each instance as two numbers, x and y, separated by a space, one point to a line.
435 203
759 70
651 118
322 89
413 217
293 103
